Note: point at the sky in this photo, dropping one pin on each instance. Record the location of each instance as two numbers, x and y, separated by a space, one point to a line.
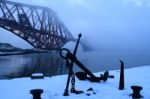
105 24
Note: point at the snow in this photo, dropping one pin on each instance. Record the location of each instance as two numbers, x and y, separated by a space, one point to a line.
54 86
37 74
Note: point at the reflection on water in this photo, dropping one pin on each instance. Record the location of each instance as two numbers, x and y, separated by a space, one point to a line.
51 64
24 65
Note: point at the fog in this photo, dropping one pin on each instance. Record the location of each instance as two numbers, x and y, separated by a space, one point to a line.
105 24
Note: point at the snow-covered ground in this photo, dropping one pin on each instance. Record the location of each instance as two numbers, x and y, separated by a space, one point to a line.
53 87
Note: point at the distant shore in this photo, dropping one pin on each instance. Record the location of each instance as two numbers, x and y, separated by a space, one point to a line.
20 52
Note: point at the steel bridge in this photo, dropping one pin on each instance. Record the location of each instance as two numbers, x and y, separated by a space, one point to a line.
39 26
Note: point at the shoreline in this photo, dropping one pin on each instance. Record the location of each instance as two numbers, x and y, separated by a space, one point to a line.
54 86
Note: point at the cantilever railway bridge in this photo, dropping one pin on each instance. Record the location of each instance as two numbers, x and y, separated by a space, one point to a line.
39 26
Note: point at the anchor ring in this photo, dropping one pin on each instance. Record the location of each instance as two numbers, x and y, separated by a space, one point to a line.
63 50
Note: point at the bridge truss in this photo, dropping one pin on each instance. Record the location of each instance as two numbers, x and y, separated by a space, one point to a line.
39 26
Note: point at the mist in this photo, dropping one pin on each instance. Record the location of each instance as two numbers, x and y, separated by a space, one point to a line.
107 25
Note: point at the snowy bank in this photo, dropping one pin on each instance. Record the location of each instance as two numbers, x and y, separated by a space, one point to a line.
53 87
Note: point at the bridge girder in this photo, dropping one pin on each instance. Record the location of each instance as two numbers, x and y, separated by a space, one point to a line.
39 26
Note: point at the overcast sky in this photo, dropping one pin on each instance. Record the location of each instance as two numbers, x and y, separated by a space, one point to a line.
106 24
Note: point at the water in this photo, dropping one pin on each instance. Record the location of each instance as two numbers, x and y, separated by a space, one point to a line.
24 65
109 60
51 63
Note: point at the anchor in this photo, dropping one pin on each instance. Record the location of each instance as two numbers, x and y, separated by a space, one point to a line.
70 60
69 66
83 75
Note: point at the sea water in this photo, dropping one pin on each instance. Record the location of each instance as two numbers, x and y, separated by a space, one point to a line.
52 64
